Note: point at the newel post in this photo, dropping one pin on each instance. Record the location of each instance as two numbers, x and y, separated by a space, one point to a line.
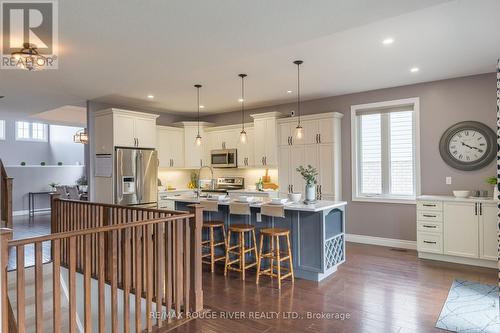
196 224
8 201
5 236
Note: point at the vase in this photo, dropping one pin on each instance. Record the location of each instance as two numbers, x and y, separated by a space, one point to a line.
310 193
495 192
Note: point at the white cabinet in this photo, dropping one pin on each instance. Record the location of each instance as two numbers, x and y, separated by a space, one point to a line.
266 140
325 157
194 157
170 145
123 128
246 157
488 231
461 229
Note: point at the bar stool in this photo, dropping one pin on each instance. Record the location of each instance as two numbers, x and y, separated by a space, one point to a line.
241 230
275 254
211 226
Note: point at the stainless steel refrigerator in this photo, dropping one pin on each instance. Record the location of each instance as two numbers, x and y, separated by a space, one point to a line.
136 177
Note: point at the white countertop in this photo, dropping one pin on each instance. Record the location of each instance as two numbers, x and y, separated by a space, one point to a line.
455 199
249 191
177 190
320 205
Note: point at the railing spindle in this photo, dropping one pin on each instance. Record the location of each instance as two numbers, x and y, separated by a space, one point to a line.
101 281
38 287
72 284
138 279
20 284
160 271
126 280
114 280
87 285
56 285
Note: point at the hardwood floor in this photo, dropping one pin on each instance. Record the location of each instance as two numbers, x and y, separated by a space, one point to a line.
382 290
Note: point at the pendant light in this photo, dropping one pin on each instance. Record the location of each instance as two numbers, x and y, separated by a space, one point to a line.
299 131
243 133
198 136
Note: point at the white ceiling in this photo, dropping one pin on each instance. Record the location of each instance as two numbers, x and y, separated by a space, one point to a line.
118 51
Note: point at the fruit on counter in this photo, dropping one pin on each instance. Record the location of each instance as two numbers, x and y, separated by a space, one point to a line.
270 186
193 181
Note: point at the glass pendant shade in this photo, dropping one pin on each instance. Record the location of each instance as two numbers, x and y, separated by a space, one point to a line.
299 132
243 136
198 140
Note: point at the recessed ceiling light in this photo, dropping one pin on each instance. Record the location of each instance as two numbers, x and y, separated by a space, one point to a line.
289 91
151 96
414 69
240 100
202 106
388 41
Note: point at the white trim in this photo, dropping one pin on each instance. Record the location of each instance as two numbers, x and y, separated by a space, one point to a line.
2 130
315 116
265 115
380 241
458 260
26 212
415 101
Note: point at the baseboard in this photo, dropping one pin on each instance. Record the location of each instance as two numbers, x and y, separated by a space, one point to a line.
380 241
459 260
26 212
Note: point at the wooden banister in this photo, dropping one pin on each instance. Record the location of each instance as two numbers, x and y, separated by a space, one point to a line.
152 254
6 183
5 236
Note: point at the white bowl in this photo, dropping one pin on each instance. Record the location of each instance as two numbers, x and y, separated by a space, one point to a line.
461 194
294 197
244 198
278 201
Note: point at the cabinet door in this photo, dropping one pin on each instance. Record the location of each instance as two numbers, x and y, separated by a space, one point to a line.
284 169
297 158
164 146
260 141
488 232
326 130
245 150
124 133
271 144
193 156
177 148
145 132
311 130
461 230
284 134
327 170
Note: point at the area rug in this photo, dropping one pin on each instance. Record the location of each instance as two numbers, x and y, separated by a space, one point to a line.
470 307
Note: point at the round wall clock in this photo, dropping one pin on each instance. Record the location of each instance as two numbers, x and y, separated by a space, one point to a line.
468 145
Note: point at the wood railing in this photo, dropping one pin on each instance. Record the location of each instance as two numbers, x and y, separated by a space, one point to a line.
152 254
5 196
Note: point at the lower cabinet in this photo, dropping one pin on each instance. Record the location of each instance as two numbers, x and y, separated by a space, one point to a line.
466 229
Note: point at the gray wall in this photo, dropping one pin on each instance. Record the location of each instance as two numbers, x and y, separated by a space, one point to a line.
442 103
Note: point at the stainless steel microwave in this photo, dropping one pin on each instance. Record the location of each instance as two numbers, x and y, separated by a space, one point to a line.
224 158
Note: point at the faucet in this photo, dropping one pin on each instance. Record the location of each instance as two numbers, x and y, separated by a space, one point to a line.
212 182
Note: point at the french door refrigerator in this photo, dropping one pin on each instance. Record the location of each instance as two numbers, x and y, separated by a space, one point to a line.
136 177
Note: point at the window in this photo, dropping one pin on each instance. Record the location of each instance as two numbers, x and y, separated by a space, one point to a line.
385 154
2 129
26 131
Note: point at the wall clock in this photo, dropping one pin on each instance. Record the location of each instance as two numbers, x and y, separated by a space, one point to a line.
468 145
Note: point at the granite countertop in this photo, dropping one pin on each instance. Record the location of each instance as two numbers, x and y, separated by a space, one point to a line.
177 190
455 199
320 205
251 191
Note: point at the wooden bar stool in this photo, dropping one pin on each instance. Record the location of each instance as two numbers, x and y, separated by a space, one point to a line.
240 249
210 244
275 254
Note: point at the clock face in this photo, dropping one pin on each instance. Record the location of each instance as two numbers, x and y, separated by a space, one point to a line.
468 145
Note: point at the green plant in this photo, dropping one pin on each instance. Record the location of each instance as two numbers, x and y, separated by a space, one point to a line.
59 163
42 163
53 184
309 174
23 163
491 180
82 181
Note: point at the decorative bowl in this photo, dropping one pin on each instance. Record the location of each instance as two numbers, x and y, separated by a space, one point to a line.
461 194
294 197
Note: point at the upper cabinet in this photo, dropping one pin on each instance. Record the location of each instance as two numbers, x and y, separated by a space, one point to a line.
265 139
195 155
228 137
170 143
123 128
319 147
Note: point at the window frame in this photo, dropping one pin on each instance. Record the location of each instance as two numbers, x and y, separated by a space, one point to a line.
385 197
3 129
30 131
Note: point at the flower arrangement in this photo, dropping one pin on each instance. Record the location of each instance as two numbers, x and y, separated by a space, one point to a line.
309 174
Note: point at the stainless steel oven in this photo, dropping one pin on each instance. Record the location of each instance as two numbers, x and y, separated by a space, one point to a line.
224 158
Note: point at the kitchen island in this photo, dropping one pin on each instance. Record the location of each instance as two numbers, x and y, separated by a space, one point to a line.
317 231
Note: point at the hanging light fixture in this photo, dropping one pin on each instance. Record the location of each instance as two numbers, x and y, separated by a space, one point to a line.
81 136
243 133
198 136
29 58
299 131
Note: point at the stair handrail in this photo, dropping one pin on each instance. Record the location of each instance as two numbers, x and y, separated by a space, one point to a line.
6 183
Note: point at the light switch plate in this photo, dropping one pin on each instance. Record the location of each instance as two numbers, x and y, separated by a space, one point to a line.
259 217
448 180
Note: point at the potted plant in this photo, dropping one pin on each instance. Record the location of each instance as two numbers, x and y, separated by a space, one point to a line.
23 163
82 183
42 163
52 186
309 174
493 181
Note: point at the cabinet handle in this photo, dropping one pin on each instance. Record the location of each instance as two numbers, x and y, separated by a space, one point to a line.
481 208
427 215
427 242
475 208
429 226
201 162
265 160
429 205
317 140
319 137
